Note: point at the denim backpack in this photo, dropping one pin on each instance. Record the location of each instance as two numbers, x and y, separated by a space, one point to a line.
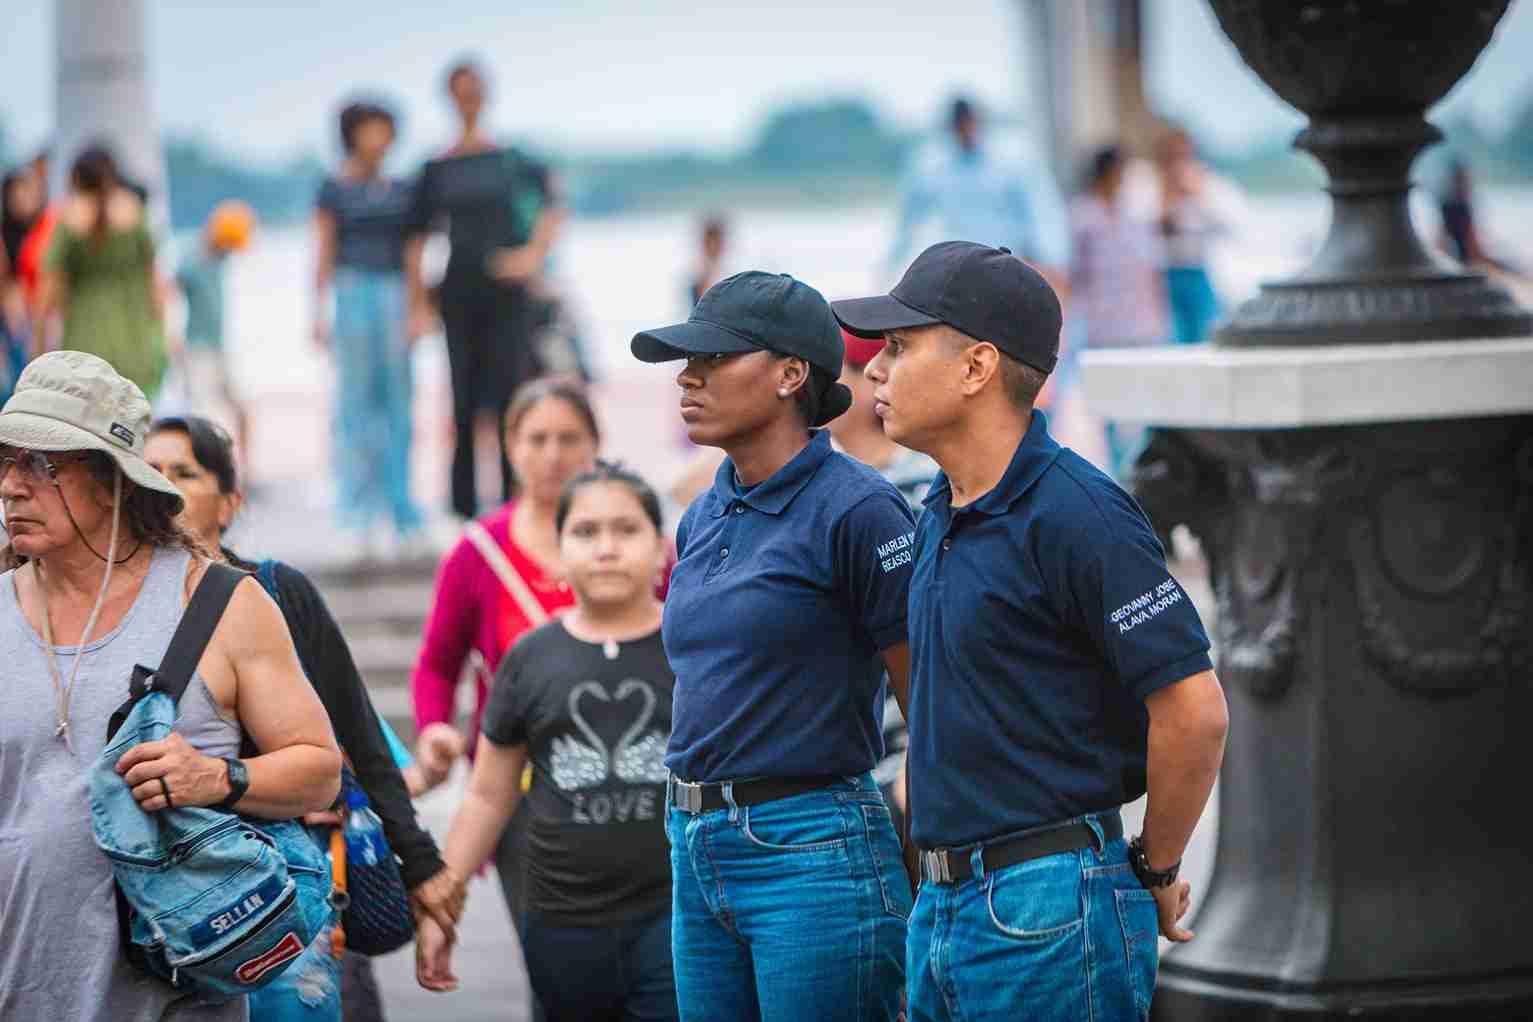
213 903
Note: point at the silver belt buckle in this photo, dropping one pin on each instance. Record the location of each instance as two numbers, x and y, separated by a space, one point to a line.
935 862
688 797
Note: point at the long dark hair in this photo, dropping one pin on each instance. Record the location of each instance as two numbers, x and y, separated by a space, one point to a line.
94 173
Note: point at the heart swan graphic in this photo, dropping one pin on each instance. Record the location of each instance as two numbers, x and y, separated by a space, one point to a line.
638 758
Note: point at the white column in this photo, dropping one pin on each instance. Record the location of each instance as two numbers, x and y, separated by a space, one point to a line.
102 91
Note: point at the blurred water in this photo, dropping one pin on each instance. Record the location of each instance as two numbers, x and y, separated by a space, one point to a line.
627 273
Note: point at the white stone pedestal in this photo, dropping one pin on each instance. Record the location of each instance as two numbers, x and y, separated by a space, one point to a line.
1205 387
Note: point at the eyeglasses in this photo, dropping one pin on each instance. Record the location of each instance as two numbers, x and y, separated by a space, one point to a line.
36 466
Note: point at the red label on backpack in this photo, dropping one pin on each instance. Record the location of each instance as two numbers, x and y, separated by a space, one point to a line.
284 951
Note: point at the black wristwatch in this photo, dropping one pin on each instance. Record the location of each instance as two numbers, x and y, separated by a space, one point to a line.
239 783
1141 866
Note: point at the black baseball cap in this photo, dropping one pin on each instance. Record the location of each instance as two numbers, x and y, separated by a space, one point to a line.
987 293
755 311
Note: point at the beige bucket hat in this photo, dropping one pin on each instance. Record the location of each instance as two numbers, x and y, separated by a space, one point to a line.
76 401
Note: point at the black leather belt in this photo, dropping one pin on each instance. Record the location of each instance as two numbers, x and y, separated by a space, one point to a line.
704 798
952 866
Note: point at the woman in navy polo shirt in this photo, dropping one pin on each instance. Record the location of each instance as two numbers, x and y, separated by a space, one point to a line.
785 609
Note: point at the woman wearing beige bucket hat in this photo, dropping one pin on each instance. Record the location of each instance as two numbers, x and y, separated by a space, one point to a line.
102 578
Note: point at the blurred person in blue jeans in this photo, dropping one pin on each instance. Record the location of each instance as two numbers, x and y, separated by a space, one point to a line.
361 225
1118 294
786 606
1057 670
1198 209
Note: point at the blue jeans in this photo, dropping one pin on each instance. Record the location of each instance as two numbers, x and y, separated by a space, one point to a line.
1194 303
373 426
1070 937
617 973
790 911
309 991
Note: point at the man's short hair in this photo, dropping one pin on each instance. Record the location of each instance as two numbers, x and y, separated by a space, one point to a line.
1021 382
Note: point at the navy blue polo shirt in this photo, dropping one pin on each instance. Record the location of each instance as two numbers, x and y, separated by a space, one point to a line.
781 601
1041 616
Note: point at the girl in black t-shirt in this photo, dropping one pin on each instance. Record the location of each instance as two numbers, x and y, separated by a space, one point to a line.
587 700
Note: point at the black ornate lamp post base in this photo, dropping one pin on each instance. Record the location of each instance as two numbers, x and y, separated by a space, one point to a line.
1375 593
1187 998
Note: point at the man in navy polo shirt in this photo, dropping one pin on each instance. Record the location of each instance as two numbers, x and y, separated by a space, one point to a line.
1057 669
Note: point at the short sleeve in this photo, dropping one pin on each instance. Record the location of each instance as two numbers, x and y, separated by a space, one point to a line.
329 197
505 714
1140 617
874 547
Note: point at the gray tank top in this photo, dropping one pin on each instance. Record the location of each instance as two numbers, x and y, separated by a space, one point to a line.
59 950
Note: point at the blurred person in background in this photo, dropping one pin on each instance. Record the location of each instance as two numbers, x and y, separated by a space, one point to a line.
977 193
1118 289
199 353
598 926
32 235
200 459
1460 236
501 219
859 433
1198 209
501 580
21 203
362 223
99 275
713 237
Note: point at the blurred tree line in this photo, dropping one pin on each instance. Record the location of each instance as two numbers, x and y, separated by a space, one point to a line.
829 151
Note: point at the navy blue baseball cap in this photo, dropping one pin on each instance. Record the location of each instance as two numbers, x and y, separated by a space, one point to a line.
755 311
987 293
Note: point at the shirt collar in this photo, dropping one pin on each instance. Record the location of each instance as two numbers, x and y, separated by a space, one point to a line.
1033 457
773 494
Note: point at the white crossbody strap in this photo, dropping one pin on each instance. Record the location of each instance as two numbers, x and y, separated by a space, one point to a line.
509 577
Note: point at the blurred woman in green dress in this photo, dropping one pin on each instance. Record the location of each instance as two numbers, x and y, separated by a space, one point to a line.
99 275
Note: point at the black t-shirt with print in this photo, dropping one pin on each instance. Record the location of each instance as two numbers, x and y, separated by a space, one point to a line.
595 730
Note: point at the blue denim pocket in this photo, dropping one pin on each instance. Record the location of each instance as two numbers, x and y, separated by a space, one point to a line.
810 823
887 866
1039 901
1140 919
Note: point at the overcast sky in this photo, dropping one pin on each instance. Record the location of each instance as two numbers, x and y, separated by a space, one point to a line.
264 79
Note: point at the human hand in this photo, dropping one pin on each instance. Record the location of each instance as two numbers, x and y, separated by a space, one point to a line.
323 818
421 322
433 957
441 899
436 750
170 772
1172 902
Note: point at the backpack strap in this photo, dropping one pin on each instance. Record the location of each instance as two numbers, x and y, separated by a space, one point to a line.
510 578
196 628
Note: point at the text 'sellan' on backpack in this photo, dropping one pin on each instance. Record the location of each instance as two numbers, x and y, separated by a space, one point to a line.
211 902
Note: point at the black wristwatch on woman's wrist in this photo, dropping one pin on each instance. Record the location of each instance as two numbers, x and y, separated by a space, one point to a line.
1140 863
239 783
